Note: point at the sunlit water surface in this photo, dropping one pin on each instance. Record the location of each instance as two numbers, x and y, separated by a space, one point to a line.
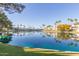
42 40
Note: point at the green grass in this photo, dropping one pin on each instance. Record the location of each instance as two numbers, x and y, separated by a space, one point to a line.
6 50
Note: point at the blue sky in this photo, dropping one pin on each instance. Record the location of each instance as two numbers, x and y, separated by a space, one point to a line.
36 14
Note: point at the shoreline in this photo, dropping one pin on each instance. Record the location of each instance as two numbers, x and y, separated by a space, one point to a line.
41 51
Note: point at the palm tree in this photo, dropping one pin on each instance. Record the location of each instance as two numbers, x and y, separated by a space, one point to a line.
23 26
43 25
76 20
49 26
59 21
69 19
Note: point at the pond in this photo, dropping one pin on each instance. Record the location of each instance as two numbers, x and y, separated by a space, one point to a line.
59 41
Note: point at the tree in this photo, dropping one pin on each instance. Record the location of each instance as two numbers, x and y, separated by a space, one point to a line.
5 23
12 7
43 25
57 22
73 20
76 20
69 19
63 27
49 26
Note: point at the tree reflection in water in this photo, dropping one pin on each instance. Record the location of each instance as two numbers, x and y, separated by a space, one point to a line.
59 37
64 36
72 44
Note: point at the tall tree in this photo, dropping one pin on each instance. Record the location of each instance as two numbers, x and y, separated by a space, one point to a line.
11 8
5 22
58 21
76 20
69 19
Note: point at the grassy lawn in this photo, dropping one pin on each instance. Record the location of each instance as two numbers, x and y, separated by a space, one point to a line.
6 50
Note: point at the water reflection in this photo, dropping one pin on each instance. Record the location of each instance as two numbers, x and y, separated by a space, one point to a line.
59 41
60 37
64 36
72 44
